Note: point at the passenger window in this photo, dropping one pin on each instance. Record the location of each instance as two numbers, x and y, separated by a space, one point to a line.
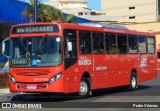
132 40
151 45
122 43
142 45
98 43
110 43
85 42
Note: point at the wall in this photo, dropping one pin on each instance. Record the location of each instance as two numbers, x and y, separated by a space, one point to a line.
145 10
11 11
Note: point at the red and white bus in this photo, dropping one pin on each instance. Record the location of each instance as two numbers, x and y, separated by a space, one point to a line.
67 58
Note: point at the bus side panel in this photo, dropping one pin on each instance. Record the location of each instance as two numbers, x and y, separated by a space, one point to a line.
113 68
111 78
151 66
70 79
158 64
74 73
133 64
100 65
123 69
147 68
85 67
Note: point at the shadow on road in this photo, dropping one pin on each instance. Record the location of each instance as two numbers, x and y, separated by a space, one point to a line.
142 90
119 91
48 97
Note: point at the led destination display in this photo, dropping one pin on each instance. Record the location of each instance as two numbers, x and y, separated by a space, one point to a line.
35 29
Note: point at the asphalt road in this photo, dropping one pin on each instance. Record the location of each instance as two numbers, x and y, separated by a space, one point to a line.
101 99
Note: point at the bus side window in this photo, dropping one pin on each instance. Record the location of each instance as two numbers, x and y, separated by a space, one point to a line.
122 43
85 42
98 43
151 45
110 43
132 41
142 44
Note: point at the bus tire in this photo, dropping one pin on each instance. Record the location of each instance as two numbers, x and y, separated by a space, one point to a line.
84 88
133 82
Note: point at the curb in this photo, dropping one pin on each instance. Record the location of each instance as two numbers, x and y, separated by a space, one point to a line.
4 91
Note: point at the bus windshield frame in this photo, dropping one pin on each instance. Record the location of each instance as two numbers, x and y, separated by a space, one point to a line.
41 51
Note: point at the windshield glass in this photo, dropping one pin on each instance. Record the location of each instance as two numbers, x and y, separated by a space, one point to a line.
36 51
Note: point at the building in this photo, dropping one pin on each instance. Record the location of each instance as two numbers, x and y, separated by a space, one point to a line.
132 10
10 13
141 15
70 6
67 4
80 9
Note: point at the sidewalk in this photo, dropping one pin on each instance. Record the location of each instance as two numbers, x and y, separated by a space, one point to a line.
4 91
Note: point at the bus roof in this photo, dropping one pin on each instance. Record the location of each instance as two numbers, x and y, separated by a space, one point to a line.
105 25
91 27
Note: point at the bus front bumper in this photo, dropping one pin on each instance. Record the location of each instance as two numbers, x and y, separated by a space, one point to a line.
56 86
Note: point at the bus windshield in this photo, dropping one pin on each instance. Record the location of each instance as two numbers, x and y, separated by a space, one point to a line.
36 51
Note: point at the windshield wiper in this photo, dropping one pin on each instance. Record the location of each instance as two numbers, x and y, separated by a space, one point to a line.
25 48
23 45
40 44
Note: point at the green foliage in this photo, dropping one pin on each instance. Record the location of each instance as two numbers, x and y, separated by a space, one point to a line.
4 80
47 13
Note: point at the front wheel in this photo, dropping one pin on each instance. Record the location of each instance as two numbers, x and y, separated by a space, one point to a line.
84 88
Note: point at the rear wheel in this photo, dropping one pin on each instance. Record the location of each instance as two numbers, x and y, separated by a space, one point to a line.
84 88
133 82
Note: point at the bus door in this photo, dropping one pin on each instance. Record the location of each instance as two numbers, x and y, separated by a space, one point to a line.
70 57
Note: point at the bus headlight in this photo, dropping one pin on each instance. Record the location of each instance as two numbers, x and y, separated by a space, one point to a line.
55 78
12 79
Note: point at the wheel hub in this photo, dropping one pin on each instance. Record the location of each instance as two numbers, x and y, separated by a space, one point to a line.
83 88
133 82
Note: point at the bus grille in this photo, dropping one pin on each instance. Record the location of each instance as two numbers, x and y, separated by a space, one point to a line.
32 72
38 86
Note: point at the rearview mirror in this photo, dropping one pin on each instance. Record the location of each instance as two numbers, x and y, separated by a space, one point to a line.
5 47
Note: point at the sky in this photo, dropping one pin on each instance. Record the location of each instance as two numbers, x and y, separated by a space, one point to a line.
93 4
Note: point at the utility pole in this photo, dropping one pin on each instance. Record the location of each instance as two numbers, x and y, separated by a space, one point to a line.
35 10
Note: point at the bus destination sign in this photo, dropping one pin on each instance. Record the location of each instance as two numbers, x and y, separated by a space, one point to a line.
35 29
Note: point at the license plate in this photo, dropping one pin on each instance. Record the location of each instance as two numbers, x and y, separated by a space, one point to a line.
31 87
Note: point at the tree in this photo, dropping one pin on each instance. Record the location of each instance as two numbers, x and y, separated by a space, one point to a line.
47 13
